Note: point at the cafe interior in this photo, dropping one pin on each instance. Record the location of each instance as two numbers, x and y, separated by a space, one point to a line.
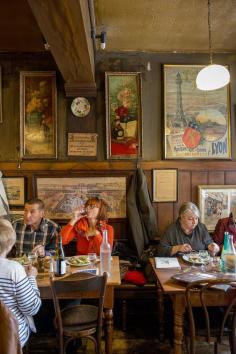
109 98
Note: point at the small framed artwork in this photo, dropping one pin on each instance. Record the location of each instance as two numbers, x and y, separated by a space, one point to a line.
123 115
38 121
15 190
196 123
165 184
0 95
215 202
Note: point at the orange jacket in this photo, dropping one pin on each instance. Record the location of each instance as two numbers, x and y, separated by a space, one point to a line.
84 245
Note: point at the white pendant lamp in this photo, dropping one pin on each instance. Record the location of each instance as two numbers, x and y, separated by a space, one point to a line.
213 76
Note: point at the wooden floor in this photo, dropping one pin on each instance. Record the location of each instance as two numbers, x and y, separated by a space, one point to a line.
140 337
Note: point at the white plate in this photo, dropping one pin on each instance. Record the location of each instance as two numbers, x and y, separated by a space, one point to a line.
196 261
77 264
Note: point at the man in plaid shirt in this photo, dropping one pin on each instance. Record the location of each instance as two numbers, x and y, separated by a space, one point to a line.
35 233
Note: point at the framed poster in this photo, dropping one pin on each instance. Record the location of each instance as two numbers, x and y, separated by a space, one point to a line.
123 115
38 123
63 194
215 202
165 185
15 190
196 123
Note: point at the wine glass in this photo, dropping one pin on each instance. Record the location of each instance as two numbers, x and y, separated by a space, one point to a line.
92 257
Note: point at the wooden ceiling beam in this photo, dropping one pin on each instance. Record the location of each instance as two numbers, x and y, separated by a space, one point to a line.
66 27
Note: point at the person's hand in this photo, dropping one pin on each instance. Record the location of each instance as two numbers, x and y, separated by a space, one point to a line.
30 270
213 249
78 213
39 250
185 248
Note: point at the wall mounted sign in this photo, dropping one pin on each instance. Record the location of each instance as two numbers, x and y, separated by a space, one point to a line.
196 123
82 144
165 185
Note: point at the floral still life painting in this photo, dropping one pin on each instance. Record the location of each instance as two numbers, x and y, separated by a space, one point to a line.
196 122
38 114
123 115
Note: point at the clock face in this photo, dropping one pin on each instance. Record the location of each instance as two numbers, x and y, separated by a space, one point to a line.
80 107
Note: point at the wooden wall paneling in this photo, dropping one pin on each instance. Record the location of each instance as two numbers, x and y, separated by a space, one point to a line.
184 190
165 216
216 177
230 177
197 178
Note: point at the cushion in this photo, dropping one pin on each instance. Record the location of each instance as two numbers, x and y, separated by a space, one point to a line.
135 277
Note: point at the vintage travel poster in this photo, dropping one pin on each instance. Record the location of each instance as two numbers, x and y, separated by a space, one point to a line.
62 195
196 123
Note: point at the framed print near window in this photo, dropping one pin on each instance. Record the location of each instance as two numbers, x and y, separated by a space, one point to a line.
15 190
38 123
215 202
61 195
123 115
165 185
196 123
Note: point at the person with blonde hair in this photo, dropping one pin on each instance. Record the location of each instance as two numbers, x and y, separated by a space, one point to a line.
186 234
87 225
18 287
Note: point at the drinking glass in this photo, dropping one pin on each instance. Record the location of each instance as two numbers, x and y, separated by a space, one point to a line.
92 257
32 257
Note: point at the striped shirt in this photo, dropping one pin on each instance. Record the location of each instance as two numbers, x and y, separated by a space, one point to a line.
27 238
20 294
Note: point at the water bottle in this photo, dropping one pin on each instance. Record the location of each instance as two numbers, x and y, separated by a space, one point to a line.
230 256
60 263
105 254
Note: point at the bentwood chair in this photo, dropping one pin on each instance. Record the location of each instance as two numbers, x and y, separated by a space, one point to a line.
9 333
80 320
208 323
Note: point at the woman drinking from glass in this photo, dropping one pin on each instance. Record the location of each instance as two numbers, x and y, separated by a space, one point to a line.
86 227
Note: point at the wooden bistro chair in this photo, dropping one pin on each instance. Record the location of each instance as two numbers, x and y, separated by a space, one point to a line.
81 320
211 323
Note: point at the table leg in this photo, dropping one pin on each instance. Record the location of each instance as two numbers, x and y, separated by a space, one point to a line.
179 310
108 330
160 311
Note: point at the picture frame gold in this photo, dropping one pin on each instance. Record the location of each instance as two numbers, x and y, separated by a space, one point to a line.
215 203
196 122
123 115
165 185
38 114
1 118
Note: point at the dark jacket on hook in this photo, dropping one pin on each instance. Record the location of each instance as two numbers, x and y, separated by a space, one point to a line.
141 215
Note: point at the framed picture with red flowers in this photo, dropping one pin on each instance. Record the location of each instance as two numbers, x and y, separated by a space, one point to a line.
196 122
38 128
123 115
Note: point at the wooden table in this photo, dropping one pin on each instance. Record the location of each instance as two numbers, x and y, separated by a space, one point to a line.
176 291
113 280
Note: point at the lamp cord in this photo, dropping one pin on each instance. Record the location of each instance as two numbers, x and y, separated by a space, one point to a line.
209 30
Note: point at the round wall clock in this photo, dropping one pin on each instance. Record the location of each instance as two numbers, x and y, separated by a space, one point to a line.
80 107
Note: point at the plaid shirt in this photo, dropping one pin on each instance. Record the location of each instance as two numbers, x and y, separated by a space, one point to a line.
27 238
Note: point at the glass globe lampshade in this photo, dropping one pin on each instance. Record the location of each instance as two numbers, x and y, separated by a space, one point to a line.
212 77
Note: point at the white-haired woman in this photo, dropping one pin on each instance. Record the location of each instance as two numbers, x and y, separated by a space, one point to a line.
18 287
186 234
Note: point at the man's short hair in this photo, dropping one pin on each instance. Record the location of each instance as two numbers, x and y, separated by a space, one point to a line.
7 235
37 201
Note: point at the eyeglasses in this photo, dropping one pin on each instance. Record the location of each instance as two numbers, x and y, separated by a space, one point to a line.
92 206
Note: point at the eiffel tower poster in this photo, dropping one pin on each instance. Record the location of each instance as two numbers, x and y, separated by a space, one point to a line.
197 123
